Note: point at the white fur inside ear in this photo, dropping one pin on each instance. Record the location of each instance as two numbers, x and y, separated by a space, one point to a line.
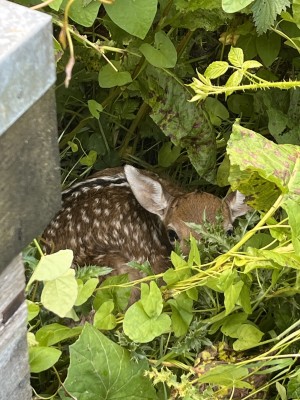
148 192
237 205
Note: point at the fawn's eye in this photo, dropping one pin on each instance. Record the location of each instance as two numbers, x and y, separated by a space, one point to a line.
172 235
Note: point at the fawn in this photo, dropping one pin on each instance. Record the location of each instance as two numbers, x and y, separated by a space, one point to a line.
125 214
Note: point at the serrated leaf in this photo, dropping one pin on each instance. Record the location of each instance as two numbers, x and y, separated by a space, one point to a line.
163 54
251 64
101 369
233 81
134 16
236 56
216 69
265 13
232 6
59 294
42 358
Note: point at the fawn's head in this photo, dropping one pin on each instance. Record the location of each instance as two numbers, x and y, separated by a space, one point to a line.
175 210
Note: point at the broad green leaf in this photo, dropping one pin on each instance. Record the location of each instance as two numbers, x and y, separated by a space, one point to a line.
277 166
232 323
232 6
134 16
82 13
233 81
236 56
51 334
216 110
55 4
101 369
52 266
140 328
223 172
268 47
232 294
241 104
182 313
33 310
244 300
168 154
248 336
163 54
86 291
109 77
216 69
265 13
109 290
293 386
184 122
104 319
281 391
95 108
59 295
151 299
90 159
42 358
226 375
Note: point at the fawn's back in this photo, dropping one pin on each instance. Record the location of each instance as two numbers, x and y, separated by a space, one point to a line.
121 215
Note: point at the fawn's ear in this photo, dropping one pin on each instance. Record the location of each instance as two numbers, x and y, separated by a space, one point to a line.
237 205
148 192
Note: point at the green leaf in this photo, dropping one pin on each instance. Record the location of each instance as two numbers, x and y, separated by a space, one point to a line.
249 336
216 69
42 358
82 13
55 4
163 54
104 319
232 323
232 294
51 334
101 369
268 47
168 154
236 56
281 391
226 375
234 80
143 321
52 266
33 310
182 313
216 110
134 16
185 123
293 386
265 13
90 159
109 77
232 6
86 291
276 170
95 108
59 295
251 64
109 290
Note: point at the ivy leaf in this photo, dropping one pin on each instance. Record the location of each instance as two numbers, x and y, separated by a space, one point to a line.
265 13
101 369
248 336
